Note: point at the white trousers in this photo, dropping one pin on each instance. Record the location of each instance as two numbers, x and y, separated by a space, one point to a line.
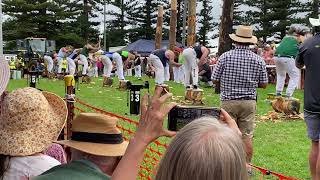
71 66
107 66
178 74
137 71
286 65
159 69
191 67
49 61
167 73
84 61
118 59
60 64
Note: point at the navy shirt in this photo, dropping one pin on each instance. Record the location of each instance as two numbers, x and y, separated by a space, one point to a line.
161 53
309 55
198 51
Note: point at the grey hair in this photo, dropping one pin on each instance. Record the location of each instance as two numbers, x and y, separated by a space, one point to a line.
204 149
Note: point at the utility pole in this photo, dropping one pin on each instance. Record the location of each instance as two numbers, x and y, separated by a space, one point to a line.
1 36
104 27
185 10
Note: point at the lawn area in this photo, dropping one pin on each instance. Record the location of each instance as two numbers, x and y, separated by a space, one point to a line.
281 146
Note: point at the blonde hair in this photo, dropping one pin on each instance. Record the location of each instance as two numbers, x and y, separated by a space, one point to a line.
205 149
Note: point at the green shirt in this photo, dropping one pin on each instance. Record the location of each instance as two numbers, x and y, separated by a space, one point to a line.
289 46
85 51
76 170
125 54
181 59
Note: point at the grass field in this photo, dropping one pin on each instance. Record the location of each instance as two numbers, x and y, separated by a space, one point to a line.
279 146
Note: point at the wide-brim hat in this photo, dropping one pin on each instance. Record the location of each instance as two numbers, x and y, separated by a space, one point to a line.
30 121
314 22
244 34
4 75
96 134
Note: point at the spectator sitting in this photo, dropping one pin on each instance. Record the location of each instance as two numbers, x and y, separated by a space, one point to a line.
215 150
96 148
30 121
205 74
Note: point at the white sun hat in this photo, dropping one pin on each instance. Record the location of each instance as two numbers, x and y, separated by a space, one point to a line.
314 21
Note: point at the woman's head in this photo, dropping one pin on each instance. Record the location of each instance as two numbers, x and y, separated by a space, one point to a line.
204 149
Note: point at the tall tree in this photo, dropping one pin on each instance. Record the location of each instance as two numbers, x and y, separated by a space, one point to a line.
206 21
142 16
226 23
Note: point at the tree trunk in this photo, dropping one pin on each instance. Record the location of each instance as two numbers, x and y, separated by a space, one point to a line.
158 37
86 20
148 20
225 42
172 33
315 9
191 40
173 24
179 24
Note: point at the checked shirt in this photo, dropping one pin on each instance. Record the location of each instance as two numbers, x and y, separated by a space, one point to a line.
239 72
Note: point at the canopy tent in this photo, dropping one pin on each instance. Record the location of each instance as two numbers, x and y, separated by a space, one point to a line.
145 47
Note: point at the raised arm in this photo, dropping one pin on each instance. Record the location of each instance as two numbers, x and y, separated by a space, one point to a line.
149 129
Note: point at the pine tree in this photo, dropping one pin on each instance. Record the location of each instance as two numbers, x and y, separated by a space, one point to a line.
206 21
142 17
29 18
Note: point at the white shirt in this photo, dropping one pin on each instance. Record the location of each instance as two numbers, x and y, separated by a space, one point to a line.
22 168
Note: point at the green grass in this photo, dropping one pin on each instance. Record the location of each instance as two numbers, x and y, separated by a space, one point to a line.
282 146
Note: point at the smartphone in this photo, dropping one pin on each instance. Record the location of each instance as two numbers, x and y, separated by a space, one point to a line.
180 116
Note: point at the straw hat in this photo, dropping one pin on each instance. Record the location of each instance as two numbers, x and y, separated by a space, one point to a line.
244 34
96 134
315 22
4 75
30 121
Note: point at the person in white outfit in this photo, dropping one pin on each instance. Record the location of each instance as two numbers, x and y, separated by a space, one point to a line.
286 53
159 60
137 67
71 61
49 61
178 71
107 65
191 63
119 63
63 53
84 54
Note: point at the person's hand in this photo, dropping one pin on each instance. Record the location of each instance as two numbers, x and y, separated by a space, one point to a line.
226 118
152 116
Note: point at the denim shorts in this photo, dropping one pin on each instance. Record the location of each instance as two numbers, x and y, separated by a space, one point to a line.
313 124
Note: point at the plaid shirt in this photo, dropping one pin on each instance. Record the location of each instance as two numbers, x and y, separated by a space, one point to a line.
239 72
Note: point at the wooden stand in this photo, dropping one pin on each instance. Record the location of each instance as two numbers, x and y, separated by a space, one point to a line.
123 85
197 95
287 106
107 82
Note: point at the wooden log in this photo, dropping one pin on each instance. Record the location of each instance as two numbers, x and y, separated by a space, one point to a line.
158 37
197 96
86 79
123 85
225 43
107 82
191 40
189 95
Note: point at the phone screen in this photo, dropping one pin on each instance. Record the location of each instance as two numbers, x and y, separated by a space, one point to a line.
182 115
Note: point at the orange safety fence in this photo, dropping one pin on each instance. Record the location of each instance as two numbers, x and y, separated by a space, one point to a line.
155 151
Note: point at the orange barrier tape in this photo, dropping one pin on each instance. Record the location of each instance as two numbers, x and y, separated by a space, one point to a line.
269 172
